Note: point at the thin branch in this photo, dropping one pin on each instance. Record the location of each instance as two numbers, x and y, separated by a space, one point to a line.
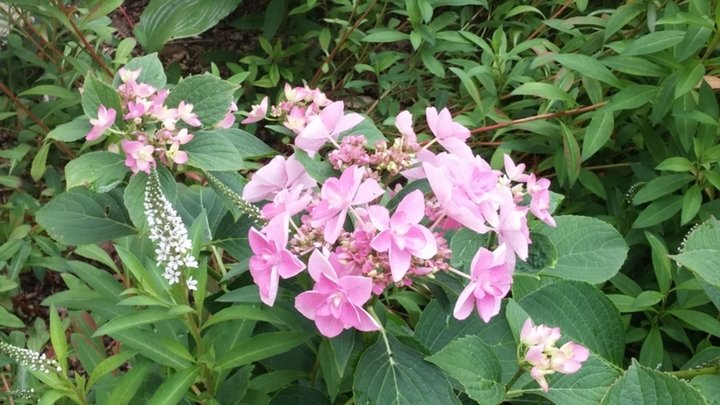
556 114
68 11
542 27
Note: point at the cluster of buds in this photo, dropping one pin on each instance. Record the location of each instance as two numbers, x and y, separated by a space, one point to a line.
299 105
544 357
154 132
169 234
30 359
306 222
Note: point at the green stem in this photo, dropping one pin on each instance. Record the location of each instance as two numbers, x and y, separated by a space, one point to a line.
371 310
692 373
514 379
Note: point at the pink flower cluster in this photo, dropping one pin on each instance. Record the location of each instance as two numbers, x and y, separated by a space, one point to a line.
544 357
354 245
153 131
299 107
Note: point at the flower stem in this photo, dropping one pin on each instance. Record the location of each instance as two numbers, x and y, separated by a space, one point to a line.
692 373
459 273
520 371
371 310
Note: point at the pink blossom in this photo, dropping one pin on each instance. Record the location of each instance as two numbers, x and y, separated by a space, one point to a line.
229 118
182 137
158 99
138 156
258 113
176 155
511 227
329 124
540 366
569 358
531 335
105 119
127 75
277 175
403 122
449 134
514 173
466 188
184 112
540 199
296 119
335 303
401 234
142 90
271 259
338 195
287 202
490 281
137 108
168 116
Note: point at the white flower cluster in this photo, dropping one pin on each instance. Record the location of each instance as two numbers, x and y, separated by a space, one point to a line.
167 231
30 359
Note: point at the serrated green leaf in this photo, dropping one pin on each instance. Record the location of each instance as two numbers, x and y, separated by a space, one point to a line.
99 171
210 96
643 385
213 153
151 70
404 378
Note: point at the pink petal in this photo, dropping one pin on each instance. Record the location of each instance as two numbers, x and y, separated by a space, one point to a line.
346 123
413 206
357 288
329 326
399 263
258 242
364 321
379 216
368 191
307 303
334 226
289 265
382 241
466 302
331 115
319 265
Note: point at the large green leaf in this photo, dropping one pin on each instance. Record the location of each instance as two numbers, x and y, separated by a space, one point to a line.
210 96
151 71
402 377
213 153
71 131
587 249
642 385
701 252
96 93
474 364
174 388
653 42
583 313
164 20
99 171
584 387
79 217
261 347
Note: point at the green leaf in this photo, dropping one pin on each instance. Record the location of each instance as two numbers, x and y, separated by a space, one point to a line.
709 387
631 97
588 66
207 151
134 319
661 186
597 133
468 84
248 145
382 35
79 217
699 320
643 385
368 129
167 352
164 20
49 90
96 93
474 364
587 386
571 153
661 262
174 388
71 131
676 164
658 211
701 252
402 377
241 312
653 42
464 245
583 313
543 90
109 364
651 352
689 77
151 70
587 249
57 337
297 394
318 169
691 204
39 163
130 382
99 171
621 17
260 347
9 320
210 96
633 65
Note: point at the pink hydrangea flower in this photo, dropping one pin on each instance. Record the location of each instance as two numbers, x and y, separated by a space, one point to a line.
514 172
490 281
511 227
271 259
287 202
545 358
401 234
138 156
335 303
404 124
184 112
336 198
466 188
229 118
137 108
258 112
329 124
127 75
296 119
539 190
279 174
176 155
450 134
105 119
